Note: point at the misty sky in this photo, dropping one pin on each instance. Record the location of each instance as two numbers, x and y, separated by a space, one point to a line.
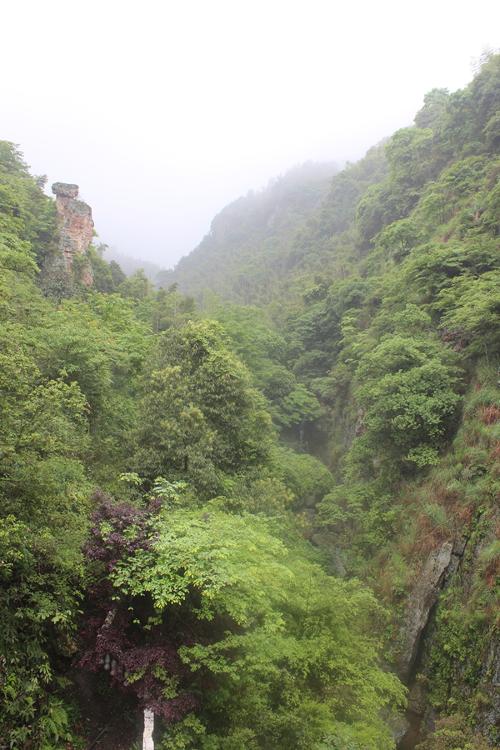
163 112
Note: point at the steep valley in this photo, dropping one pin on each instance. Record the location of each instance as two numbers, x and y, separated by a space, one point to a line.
255 507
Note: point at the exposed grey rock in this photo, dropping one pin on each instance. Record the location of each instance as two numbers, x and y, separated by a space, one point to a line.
459 546
420 604
399 727
65 189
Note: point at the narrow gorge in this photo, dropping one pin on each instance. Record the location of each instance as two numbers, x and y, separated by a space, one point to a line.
253 503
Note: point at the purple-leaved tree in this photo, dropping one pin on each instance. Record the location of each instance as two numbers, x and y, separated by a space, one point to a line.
122 637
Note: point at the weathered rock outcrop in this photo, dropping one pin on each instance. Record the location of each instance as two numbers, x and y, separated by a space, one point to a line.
76 227
455 568
421 602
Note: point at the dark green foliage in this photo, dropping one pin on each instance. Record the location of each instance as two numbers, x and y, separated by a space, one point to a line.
265 352
286 649
199 418
372 341
408 396
25 212
107 277
339 207
387 308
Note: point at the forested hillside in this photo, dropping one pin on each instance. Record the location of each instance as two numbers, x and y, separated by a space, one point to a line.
151 558
245 254
386 311
253 521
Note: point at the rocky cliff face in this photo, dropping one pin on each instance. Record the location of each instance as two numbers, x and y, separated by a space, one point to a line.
421 602
451 665
76 227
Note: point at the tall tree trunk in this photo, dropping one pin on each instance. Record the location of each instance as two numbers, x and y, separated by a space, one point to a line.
149 725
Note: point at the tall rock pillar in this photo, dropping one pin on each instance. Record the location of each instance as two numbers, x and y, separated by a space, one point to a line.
76 227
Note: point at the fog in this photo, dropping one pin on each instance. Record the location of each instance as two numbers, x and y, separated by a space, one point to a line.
163 112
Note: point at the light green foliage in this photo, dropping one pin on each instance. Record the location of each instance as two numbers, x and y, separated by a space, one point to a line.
67 377
260 490
435 103
412 162
25 212
15 255
168 308
377 309
409 399
187 734
409 153
385 308
200 416
305 475
339 207
434 267
264 352
453 733
455 187
42 440
291 653
472 314
37 601
43 488
398 239
137 286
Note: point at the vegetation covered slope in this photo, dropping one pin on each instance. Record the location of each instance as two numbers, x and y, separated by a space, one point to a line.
245 254
151 553
168 544
388 313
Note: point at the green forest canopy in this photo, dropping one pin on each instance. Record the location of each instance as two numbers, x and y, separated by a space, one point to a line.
220 513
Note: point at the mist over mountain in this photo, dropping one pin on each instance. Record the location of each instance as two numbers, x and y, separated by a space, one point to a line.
130 265
164 113
251 502
251 237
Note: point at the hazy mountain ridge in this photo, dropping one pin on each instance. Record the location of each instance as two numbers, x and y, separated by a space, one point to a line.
130 265
402 252
172 549
248 242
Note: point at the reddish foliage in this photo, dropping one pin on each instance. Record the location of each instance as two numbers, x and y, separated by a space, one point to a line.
495 453
456 339
492 573
111 638
429 537
489 414
464 514
444 496
120 517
